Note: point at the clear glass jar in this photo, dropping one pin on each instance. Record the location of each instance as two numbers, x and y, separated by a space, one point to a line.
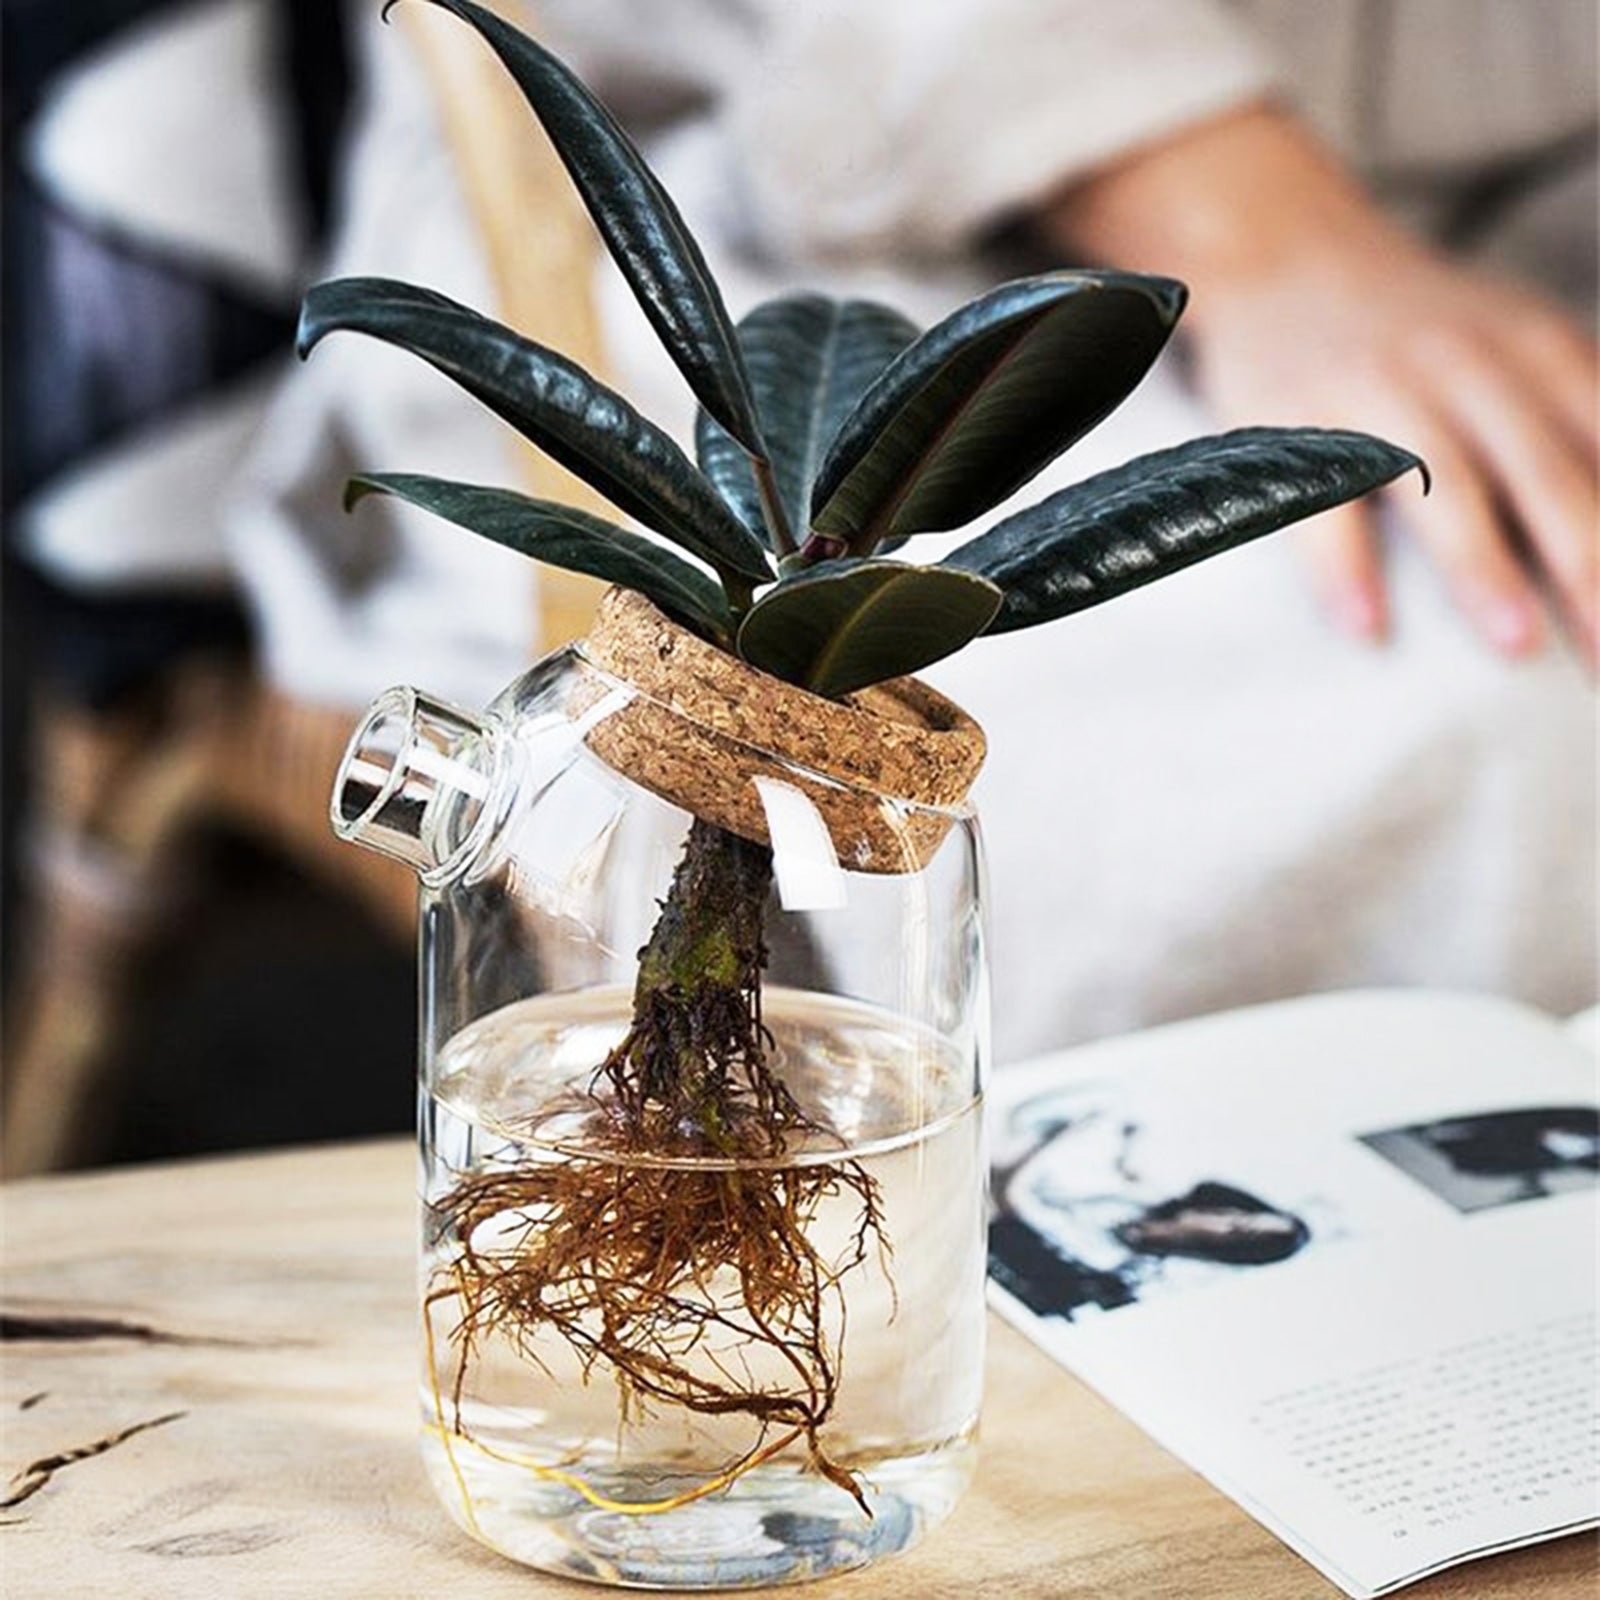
714 1336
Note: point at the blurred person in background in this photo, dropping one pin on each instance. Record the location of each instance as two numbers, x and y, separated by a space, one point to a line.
1386 212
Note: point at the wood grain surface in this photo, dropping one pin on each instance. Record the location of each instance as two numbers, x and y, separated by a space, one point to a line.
208 1392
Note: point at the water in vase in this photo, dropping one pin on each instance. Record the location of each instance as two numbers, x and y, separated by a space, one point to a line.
532 1440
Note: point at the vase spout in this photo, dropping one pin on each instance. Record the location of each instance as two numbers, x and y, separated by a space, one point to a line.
418 782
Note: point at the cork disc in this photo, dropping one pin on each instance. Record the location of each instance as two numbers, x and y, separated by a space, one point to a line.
887 767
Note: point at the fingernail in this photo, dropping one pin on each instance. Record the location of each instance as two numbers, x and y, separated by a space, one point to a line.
1359 613
1511 626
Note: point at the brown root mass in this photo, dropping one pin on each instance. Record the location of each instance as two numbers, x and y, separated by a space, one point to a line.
673 1277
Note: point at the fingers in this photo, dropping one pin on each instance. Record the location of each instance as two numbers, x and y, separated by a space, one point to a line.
1460 528
1342 554
1560 366
1545 482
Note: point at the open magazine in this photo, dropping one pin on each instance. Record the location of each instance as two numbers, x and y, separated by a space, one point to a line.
1338 1254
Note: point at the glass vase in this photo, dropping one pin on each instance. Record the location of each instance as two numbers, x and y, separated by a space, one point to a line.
703 1046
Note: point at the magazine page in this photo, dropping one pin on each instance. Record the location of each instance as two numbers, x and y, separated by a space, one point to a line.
1338 1254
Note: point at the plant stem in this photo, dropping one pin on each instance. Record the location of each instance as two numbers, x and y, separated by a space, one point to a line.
772 506
693 1067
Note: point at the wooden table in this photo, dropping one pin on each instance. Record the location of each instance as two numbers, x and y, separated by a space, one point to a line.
216 1357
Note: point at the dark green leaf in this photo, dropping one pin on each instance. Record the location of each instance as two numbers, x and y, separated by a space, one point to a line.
564 537
986 398
637 219
841 625
1138 522
809 360
587 427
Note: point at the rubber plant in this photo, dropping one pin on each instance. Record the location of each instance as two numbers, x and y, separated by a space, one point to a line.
829 433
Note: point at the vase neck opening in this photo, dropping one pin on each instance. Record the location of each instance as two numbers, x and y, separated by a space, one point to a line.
415 781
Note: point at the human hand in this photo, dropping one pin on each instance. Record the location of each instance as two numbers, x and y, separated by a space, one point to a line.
1310 307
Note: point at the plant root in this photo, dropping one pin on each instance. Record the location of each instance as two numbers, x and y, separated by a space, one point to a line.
675 1249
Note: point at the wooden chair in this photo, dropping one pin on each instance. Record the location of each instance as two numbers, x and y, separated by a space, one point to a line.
125 793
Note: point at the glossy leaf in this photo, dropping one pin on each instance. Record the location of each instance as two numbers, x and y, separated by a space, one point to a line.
809 359
841 625
1162 512
986 398
587 427
562 536
636 217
